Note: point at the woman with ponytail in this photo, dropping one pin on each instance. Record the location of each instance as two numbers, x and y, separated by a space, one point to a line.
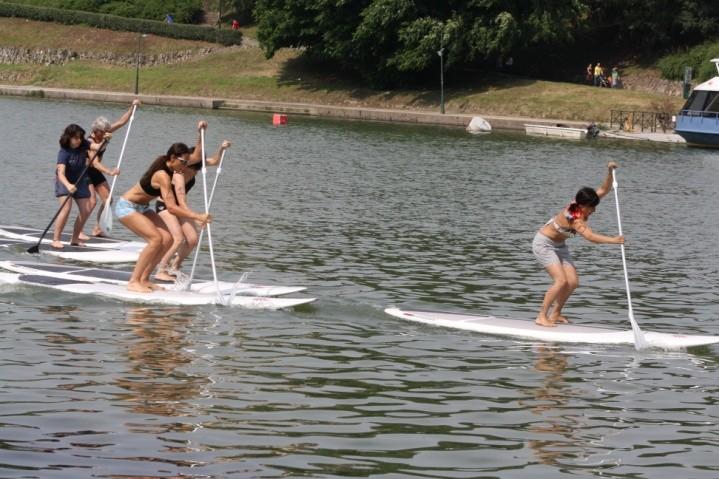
551 250
134 211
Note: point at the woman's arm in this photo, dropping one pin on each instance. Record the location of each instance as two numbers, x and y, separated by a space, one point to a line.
196 155
606 185
581 227
179 181
63 179
215 159
122 121
162 179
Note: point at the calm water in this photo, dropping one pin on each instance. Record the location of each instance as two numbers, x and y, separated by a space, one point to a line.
368 216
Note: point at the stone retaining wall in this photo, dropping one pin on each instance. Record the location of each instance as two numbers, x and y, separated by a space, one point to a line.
47 56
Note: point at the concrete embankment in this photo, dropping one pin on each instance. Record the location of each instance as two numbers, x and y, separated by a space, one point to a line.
329 111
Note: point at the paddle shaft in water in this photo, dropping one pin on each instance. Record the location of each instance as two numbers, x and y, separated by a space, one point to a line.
106 217
36 248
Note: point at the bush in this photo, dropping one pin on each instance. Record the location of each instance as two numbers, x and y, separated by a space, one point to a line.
118 23
672 66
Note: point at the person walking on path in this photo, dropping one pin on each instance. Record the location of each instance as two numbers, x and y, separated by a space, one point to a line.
598 74
550 248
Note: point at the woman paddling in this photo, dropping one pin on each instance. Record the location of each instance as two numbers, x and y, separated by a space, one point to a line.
98 182
134 211
550 248
71 179
183 230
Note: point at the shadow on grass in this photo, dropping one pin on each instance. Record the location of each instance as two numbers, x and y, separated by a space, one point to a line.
314 76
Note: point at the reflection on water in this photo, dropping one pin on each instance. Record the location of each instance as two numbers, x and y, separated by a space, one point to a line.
158 355
555 430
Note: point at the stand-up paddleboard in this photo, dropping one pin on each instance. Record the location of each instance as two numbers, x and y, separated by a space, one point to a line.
120 277
562 333
31 235
120 292
96 250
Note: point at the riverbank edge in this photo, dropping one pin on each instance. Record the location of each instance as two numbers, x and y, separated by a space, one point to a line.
287 108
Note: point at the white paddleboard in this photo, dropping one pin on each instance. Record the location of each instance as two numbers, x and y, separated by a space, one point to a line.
562 333
97 275
31 236
121 254
120 292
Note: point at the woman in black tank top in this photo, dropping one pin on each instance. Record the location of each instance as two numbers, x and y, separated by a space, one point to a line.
133 210
184 231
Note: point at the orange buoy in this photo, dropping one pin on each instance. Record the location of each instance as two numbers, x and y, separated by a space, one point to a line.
279 119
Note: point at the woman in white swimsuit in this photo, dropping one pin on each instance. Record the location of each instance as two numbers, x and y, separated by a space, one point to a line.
551 250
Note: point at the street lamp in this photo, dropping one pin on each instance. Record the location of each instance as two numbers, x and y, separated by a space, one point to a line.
441 79
137 62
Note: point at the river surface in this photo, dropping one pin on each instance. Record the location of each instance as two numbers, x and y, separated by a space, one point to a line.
367 216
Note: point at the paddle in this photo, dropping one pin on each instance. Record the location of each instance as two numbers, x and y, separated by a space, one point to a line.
202 232
209 229
36 248
639 341
106 216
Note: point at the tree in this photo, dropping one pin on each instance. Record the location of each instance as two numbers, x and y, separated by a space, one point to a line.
389 41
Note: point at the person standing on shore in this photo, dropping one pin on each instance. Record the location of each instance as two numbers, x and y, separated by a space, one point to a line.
98 182
598 74
589 75
134 211
550 248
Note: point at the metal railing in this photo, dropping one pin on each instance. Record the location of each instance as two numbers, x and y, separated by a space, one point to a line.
642 121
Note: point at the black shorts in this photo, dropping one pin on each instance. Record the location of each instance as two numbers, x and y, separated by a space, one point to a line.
96 176
160 206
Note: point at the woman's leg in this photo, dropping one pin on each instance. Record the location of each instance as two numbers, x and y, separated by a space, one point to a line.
146 229
175 229
93 202
103 191
556 271
83 205
61 221
570 274
189 228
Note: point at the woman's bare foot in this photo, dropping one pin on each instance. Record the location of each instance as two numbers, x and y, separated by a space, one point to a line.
164 276
154 286
84 237
558 318
57 244
97 233
78 243
543 321
138 287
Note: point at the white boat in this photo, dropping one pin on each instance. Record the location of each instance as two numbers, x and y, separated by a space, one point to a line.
698 120
562 333
556 131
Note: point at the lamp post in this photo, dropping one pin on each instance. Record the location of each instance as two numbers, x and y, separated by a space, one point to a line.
441 79
137 62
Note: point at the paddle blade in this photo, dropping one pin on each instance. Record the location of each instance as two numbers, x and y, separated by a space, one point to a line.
106 218
34 249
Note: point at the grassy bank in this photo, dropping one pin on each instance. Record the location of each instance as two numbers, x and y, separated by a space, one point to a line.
244 73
